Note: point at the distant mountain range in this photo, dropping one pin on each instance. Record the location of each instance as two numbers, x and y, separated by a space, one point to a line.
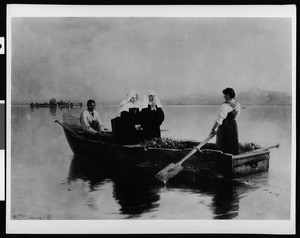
253 96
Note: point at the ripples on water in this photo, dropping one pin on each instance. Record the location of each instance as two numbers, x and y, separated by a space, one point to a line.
49 182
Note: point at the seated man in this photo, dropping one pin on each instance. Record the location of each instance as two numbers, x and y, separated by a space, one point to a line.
91 121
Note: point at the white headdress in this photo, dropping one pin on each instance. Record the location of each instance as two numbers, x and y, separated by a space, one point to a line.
145 102
126 103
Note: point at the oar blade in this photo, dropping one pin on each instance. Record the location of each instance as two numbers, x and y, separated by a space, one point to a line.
168 172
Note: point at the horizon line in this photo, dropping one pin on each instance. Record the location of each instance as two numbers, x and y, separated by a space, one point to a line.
105 104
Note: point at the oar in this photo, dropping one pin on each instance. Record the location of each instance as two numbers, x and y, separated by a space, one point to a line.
172 169
160 129
164 129
265 148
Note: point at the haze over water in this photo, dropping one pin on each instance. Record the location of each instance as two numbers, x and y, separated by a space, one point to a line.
105 57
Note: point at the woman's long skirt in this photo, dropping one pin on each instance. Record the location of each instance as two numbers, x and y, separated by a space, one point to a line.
227 137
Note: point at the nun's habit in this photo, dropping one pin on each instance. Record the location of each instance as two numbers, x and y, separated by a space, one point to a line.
130 119
152 115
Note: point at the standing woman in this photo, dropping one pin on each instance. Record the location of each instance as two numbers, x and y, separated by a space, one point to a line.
152 115
225 126
130 119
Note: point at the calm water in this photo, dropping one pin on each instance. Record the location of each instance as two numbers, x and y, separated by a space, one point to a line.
49 182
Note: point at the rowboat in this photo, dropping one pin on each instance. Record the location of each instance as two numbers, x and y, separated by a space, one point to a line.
207 161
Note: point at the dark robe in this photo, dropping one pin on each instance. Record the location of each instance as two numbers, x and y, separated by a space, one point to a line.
128 132
151 121
227 135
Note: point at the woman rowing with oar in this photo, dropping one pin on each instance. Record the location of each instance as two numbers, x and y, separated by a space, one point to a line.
225 126
227 135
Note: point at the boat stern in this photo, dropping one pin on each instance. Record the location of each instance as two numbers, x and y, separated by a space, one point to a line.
250 163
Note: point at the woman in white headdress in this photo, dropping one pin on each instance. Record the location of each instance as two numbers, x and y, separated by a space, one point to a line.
130 119
130 101
152 115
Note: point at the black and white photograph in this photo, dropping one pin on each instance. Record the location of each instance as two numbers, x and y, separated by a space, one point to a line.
151 119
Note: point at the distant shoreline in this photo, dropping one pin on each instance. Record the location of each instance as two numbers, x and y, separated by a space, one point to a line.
263 105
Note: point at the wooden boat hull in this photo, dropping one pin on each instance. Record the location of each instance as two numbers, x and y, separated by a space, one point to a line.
207 162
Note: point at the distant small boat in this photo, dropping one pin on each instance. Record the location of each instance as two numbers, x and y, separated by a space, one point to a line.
60 105
207 162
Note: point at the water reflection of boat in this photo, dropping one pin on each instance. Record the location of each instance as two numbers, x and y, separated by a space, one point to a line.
208 162
52 111
134 196
225 193
137 192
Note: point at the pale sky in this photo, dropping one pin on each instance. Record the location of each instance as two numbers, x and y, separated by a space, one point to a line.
104 58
